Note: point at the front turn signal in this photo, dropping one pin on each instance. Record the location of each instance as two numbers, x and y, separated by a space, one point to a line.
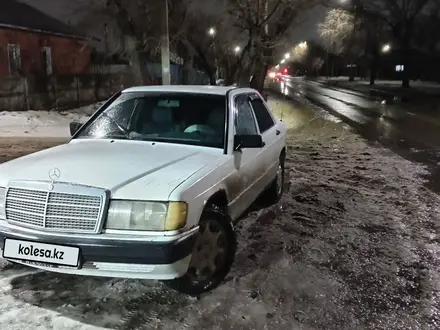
176 215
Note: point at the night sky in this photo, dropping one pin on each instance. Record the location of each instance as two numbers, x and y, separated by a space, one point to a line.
67 11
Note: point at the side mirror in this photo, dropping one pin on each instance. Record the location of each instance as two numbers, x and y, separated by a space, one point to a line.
74 127
248 142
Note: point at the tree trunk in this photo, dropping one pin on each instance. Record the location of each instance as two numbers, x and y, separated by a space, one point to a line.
231 71
186 72
372 76
258 76
405 62
373 68
405 38
209 70
352 73
134 57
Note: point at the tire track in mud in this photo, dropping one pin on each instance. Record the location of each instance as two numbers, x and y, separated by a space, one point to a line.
410 284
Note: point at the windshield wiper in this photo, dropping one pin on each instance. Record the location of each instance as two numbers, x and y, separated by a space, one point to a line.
122 129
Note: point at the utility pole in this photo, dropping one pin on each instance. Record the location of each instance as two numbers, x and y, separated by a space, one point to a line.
357 8
266 13
165 45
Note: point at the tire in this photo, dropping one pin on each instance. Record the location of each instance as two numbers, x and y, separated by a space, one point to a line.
197 280
275 191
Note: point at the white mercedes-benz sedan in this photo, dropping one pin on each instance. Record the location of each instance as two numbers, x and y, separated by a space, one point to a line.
147 188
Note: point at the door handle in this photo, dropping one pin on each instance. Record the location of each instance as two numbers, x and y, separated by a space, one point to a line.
278 132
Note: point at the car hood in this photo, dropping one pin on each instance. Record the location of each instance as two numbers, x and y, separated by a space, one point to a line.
129 169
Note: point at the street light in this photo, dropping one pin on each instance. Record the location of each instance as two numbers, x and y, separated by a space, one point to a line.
237 49
286 56
211 31
282 61
386 48
277 66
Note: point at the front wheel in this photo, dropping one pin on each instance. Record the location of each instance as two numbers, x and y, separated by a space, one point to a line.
212 256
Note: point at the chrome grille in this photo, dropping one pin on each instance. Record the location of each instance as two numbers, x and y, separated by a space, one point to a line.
73 211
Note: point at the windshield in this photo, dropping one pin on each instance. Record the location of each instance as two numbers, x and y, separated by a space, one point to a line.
194 119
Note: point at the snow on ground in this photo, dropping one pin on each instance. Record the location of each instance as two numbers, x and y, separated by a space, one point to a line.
352 245
42 123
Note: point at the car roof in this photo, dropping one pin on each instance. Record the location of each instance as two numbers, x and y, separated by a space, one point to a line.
192 89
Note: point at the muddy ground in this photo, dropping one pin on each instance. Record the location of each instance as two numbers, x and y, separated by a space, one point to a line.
14 147
352 245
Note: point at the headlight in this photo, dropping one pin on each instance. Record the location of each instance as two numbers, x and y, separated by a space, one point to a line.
149 216
2 202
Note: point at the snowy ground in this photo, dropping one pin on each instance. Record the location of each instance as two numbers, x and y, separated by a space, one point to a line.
353 245
41 123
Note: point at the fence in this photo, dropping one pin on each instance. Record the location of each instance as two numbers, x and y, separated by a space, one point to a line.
55 92
24 93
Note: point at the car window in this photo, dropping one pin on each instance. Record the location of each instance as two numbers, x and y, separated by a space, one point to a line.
264 118
244 120
184 118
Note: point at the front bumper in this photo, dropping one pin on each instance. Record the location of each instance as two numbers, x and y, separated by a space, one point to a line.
112 257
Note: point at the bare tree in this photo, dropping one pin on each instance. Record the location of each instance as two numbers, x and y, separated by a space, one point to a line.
356 36
300 51
402 16
138 23
342 32
212 38
308 57
426 36
336 30
265 22
256 27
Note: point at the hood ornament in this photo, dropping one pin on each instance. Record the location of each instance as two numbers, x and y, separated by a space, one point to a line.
54 175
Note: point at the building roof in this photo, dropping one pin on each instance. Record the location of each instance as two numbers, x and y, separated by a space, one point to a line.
202 89
17 15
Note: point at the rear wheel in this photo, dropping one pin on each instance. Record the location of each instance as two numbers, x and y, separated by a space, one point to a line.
212 256
275 191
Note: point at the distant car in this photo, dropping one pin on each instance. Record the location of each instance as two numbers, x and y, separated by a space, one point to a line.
148 188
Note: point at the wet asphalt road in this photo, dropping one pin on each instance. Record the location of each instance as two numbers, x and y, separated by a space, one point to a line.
404 129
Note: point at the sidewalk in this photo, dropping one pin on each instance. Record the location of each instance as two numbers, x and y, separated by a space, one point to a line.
427 87
418 88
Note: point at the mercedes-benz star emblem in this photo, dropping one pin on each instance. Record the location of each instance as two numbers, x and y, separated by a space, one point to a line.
54 174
